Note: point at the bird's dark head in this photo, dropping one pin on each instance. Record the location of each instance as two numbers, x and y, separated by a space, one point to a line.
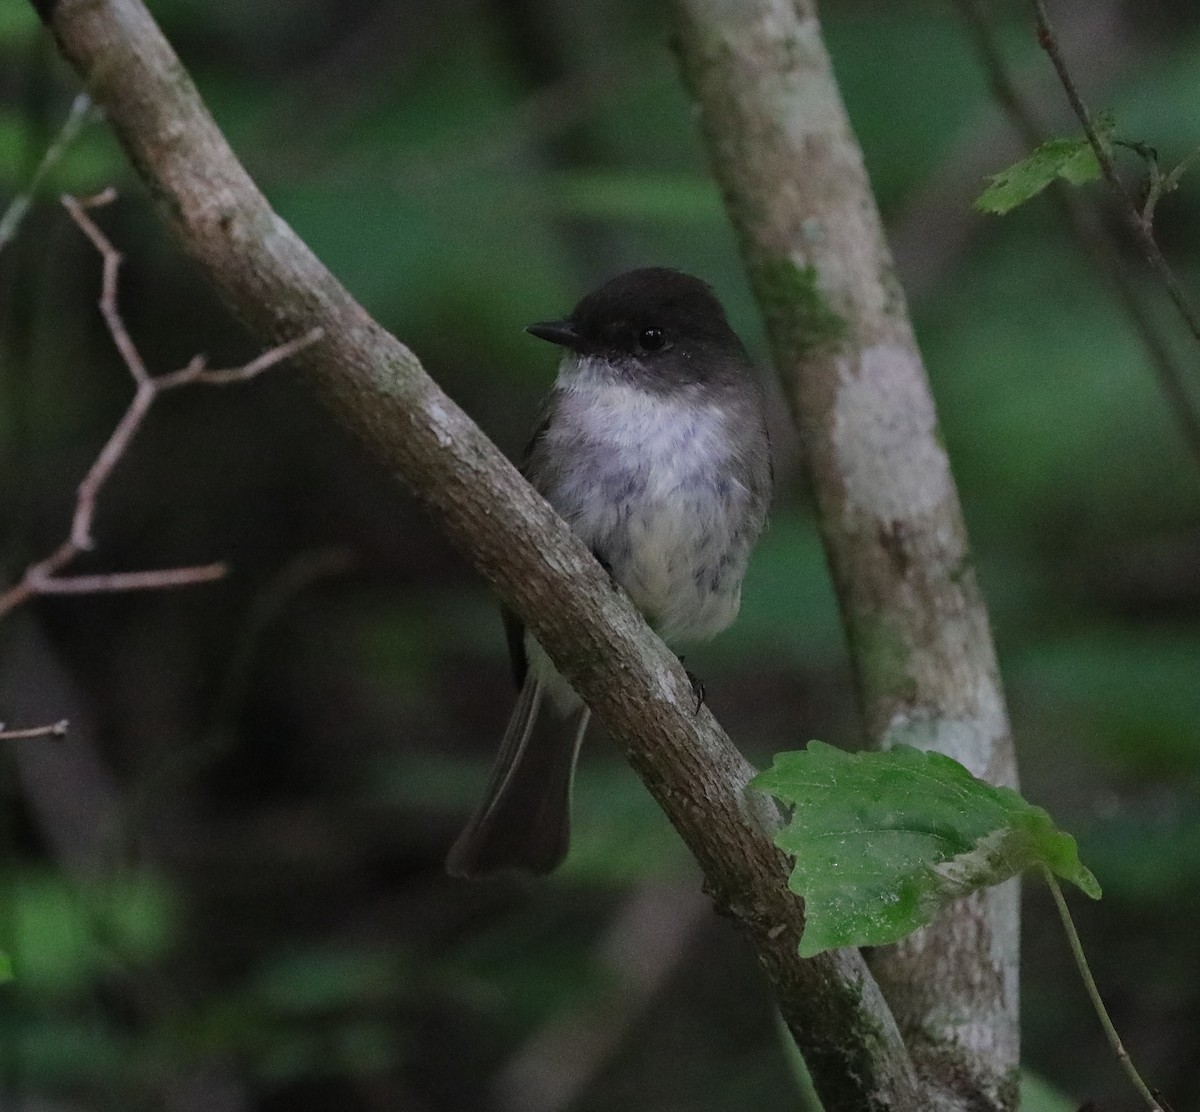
653 322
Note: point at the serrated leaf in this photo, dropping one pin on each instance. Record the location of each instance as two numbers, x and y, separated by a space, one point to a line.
883 841
1073 160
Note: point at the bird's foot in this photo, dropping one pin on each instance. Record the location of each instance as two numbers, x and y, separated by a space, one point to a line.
606 566
697 688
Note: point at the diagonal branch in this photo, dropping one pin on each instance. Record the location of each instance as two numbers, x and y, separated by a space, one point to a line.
375 385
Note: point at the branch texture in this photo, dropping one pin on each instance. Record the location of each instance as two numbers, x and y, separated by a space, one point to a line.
277 287
796 189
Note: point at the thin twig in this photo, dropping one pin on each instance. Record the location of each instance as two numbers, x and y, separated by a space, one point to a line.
81 109
1089 232
1143 232
1089 983
106 460
42 578
1171 181
112 259
1161 184
130 580
54 729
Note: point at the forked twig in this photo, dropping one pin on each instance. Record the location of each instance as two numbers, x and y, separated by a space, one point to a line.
42 577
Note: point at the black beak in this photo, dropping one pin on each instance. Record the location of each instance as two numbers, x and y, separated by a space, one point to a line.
561 332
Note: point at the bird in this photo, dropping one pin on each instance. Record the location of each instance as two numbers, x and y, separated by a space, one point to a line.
653 446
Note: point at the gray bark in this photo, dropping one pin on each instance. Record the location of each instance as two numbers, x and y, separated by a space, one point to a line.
796 189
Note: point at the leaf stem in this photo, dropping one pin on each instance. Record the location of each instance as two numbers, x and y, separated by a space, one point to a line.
1139 225
1089 983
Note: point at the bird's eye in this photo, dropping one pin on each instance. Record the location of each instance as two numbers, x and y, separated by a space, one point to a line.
652 339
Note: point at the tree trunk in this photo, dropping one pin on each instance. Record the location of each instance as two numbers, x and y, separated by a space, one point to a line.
796 189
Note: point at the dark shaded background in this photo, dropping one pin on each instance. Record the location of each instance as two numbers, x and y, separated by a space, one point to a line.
224 890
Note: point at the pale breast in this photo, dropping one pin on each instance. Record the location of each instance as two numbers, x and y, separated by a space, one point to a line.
649 481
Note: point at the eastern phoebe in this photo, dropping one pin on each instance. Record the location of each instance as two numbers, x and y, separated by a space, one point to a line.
653 447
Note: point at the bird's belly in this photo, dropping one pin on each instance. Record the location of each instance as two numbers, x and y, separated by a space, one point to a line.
651 484
686 579
672 534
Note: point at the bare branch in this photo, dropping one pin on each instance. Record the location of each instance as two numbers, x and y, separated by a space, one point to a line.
197 372
108 457
1138 223
129 580
42 578
55 729
108 293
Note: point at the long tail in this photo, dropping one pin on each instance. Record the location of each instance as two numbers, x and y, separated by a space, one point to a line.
524 821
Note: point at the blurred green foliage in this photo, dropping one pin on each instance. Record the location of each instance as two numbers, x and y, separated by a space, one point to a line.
466 168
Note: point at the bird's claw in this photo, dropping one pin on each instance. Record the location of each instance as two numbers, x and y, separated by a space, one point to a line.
697 688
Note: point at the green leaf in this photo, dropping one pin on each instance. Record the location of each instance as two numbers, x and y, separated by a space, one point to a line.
6 968
883 841
1073 160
